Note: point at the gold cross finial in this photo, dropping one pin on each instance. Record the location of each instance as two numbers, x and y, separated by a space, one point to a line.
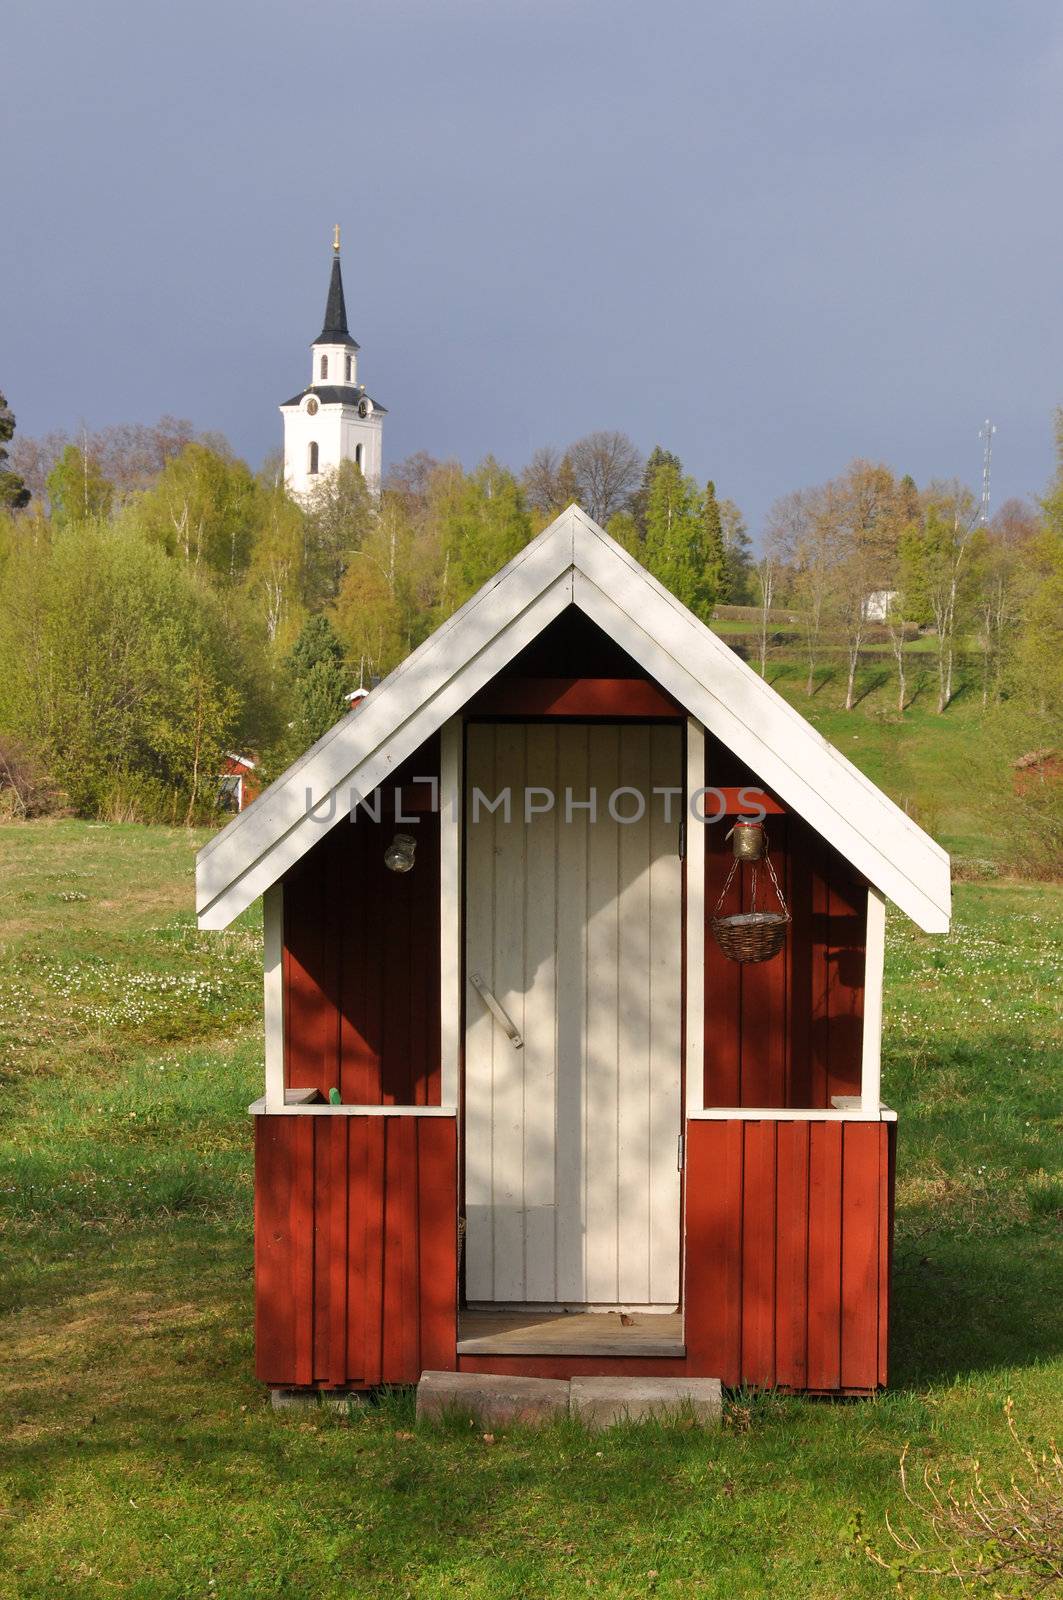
336 237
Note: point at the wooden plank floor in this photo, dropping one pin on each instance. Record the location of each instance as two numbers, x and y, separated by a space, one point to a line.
584 1333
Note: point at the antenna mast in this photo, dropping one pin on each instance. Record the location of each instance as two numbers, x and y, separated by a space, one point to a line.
986 432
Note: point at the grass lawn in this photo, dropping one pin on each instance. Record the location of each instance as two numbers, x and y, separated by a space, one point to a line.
140 1458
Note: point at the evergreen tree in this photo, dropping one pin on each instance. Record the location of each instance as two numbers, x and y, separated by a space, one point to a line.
715 549
13 492
317 678
657 458
738 560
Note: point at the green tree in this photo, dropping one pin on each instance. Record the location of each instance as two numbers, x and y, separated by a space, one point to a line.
738 563
123 672
674 546
339 516
625 530
13 491
274 581
1036 668
640 500
484 522
317 683
77 488
715 548
202 510
939 550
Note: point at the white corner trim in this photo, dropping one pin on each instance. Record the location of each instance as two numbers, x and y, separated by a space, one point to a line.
695 922
871 1058
779 1114
273 993
450 896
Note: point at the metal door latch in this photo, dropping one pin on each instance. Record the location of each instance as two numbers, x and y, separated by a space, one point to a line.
496 1010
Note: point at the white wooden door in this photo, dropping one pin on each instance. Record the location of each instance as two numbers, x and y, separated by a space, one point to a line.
574 925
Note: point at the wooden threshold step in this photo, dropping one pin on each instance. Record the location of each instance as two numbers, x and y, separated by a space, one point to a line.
589 1333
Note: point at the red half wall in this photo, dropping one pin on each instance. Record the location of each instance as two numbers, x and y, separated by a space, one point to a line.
789 1233
355 1248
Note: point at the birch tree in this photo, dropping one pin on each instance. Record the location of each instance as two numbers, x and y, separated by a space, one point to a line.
946 538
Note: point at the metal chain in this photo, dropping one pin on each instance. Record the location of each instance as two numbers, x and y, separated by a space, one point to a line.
753 887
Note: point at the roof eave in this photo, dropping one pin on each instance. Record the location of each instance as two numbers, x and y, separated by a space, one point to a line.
574 562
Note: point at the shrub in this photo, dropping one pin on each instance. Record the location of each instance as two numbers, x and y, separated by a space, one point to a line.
24 788
1005 1541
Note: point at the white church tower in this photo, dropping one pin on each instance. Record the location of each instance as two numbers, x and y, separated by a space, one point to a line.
334 419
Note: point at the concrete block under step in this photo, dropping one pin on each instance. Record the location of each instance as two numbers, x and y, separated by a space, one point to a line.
492 1400
341 1400
603 1402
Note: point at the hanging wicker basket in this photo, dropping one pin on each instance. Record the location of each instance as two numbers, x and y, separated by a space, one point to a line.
751 935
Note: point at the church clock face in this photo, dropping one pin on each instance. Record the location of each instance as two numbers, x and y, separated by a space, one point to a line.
311 408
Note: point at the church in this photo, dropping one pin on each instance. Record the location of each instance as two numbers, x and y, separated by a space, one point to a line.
333 419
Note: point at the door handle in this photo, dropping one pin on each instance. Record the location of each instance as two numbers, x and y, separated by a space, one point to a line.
496 1010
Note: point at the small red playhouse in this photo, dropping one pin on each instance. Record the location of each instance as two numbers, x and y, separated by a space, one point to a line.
522 1114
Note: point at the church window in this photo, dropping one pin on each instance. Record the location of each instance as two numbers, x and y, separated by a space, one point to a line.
324 368
358 454
348 369
312 462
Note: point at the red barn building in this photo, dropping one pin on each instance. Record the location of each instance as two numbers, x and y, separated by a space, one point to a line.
570 1134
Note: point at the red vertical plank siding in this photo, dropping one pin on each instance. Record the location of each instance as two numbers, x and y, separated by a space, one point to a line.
764 999
339 1246
361 967
324 1248
437 1257
824 1254
787 1250
400 1318
358 1208
373 1281
887 1174
355 1248
301 1233
723 981
358 986
758 1254
713 1280
819 979
791 1266
787 1253
848 932
785 1032
860 1254
274 1256
799 959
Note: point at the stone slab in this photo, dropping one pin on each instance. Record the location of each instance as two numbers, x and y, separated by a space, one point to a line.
603 1402
490 1399
293 1399
341 1400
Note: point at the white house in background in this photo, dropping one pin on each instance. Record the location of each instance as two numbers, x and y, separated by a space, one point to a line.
878 604
333 419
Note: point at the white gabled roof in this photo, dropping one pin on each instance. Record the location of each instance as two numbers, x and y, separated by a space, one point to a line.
574 562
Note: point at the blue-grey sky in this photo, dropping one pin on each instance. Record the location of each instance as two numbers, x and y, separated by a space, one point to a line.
771 234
